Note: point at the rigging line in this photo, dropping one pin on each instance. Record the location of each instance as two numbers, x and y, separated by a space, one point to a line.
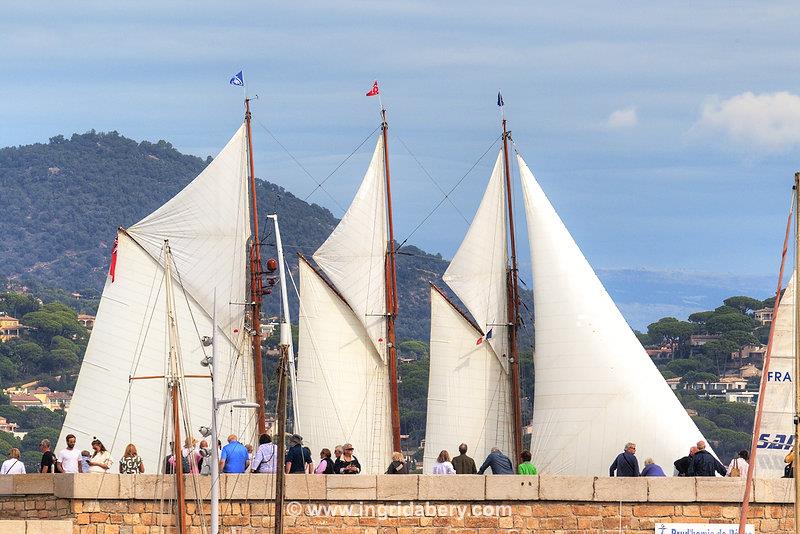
339 166
299 164
450 192
419 164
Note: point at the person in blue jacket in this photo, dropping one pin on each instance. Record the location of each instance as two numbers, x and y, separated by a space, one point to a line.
625 464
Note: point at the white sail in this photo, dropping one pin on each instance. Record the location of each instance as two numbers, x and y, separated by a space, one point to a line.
477 273
776 435
468 396
595 386
343 382
207 225
354 255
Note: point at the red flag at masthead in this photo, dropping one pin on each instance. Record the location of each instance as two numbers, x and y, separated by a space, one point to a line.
374 91
113 267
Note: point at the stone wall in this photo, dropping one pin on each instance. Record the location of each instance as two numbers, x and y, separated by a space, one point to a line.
400 504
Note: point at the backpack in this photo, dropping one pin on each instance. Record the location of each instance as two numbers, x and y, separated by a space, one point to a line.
735 469
185 463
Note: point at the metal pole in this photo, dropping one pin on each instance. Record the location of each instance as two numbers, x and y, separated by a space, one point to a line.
280 479
214 431
286 323
796 352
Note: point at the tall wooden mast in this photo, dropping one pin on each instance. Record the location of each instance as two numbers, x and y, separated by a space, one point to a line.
256 282
174 382
391 294
513 307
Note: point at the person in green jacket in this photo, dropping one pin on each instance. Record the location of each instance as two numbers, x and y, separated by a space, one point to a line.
526 467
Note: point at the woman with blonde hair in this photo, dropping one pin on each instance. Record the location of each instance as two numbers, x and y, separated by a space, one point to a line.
13 466
443 465
131 463
398 465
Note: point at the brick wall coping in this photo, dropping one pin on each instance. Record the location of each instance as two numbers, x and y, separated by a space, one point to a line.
405 488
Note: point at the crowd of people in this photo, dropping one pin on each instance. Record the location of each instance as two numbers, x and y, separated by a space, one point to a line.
698 463
236 457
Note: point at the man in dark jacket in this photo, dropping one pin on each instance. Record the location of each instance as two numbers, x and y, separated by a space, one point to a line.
704 464
463 464
625 464
499 462
682 464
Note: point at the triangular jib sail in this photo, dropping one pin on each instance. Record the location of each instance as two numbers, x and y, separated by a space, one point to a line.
776 435
595 386
207 225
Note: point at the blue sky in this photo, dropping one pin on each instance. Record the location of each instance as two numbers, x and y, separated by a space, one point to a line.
663 133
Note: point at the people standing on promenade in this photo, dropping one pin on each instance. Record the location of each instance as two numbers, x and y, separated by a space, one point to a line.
13 466
526 467
652 469
265 458
348 463
69 458
296 457
310 465
704 464
131 463
498 462
443 465
463 464
190 458
234 458
337 453
205 460
739 466
682 464
325 466
101 460
398 465
625 464
48 462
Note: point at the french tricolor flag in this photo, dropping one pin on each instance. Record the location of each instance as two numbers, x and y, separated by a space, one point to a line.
487 337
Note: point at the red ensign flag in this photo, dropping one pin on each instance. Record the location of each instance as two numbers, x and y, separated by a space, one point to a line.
374 91
113 267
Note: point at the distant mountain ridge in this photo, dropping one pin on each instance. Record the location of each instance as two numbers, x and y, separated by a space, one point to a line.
62 202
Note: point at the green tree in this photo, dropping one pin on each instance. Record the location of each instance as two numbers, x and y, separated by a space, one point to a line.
413 347
721 323
743 304
17 304
670 329
701 317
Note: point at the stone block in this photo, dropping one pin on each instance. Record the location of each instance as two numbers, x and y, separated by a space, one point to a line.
720 489
620 489
512 488
302 487
565 488
33 484
398 487
247 486
48 526
775 490
351 487
86 486
153 487
671 489
453 487
6 485
12 526
198 487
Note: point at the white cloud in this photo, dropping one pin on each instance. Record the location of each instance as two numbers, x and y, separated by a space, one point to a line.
623 118
768 121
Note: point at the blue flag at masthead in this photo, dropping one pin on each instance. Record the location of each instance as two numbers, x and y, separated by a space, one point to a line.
238 80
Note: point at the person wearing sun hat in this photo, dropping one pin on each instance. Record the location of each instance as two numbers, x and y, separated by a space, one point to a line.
296 457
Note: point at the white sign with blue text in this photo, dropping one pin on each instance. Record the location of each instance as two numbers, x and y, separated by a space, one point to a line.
700 528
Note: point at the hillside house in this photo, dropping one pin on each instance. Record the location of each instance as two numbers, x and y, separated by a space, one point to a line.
744 397
9 328
699 340
52 400
86 320
662 353
23 401
6 426
749 353
763 316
